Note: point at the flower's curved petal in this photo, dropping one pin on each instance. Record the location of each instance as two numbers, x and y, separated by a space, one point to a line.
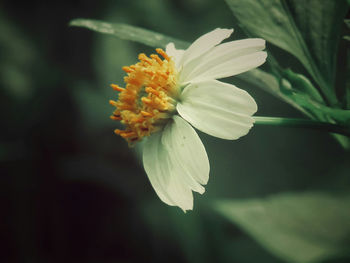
218 109
170 189
221 54
156 166
187 153
176 163
176 54
230 68
204 43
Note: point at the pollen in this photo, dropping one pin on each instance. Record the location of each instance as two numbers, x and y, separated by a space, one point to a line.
149 98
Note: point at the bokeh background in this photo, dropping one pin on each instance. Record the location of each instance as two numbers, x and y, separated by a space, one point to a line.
72 191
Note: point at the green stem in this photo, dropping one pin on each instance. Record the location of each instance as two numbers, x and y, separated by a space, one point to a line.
303 123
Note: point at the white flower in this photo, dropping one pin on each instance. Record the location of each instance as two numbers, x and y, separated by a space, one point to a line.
163 98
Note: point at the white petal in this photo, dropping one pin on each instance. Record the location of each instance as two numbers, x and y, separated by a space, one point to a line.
218 109
205 43
221 54
187 153
232 67
176 163
175 54
156 167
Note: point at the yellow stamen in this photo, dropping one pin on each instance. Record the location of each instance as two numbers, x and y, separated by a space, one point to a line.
113 103
149 98
151 90
118 132
163 54
117 88
146 100
144 58
127 69
157 58
125 134
146 114
115 118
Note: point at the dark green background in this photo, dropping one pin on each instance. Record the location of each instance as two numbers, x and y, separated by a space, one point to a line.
72 191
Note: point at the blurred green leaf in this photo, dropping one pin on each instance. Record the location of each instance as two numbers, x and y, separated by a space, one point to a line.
18 55
347 84
347 23
272 20
128 32
306 227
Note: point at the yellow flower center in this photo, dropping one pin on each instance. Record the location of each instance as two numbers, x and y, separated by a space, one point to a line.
149 98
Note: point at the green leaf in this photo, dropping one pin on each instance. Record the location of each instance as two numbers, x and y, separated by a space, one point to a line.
270 84
269 20
320 23
296 90
307 227
128 32
315 109
303 85
272 20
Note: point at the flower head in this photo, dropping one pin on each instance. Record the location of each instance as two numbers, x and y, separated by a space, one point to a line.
168 94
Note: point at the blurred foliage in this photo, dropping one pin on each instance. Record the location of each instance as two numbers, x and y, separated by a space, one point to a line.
307 227
18 55
347 22
72 191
